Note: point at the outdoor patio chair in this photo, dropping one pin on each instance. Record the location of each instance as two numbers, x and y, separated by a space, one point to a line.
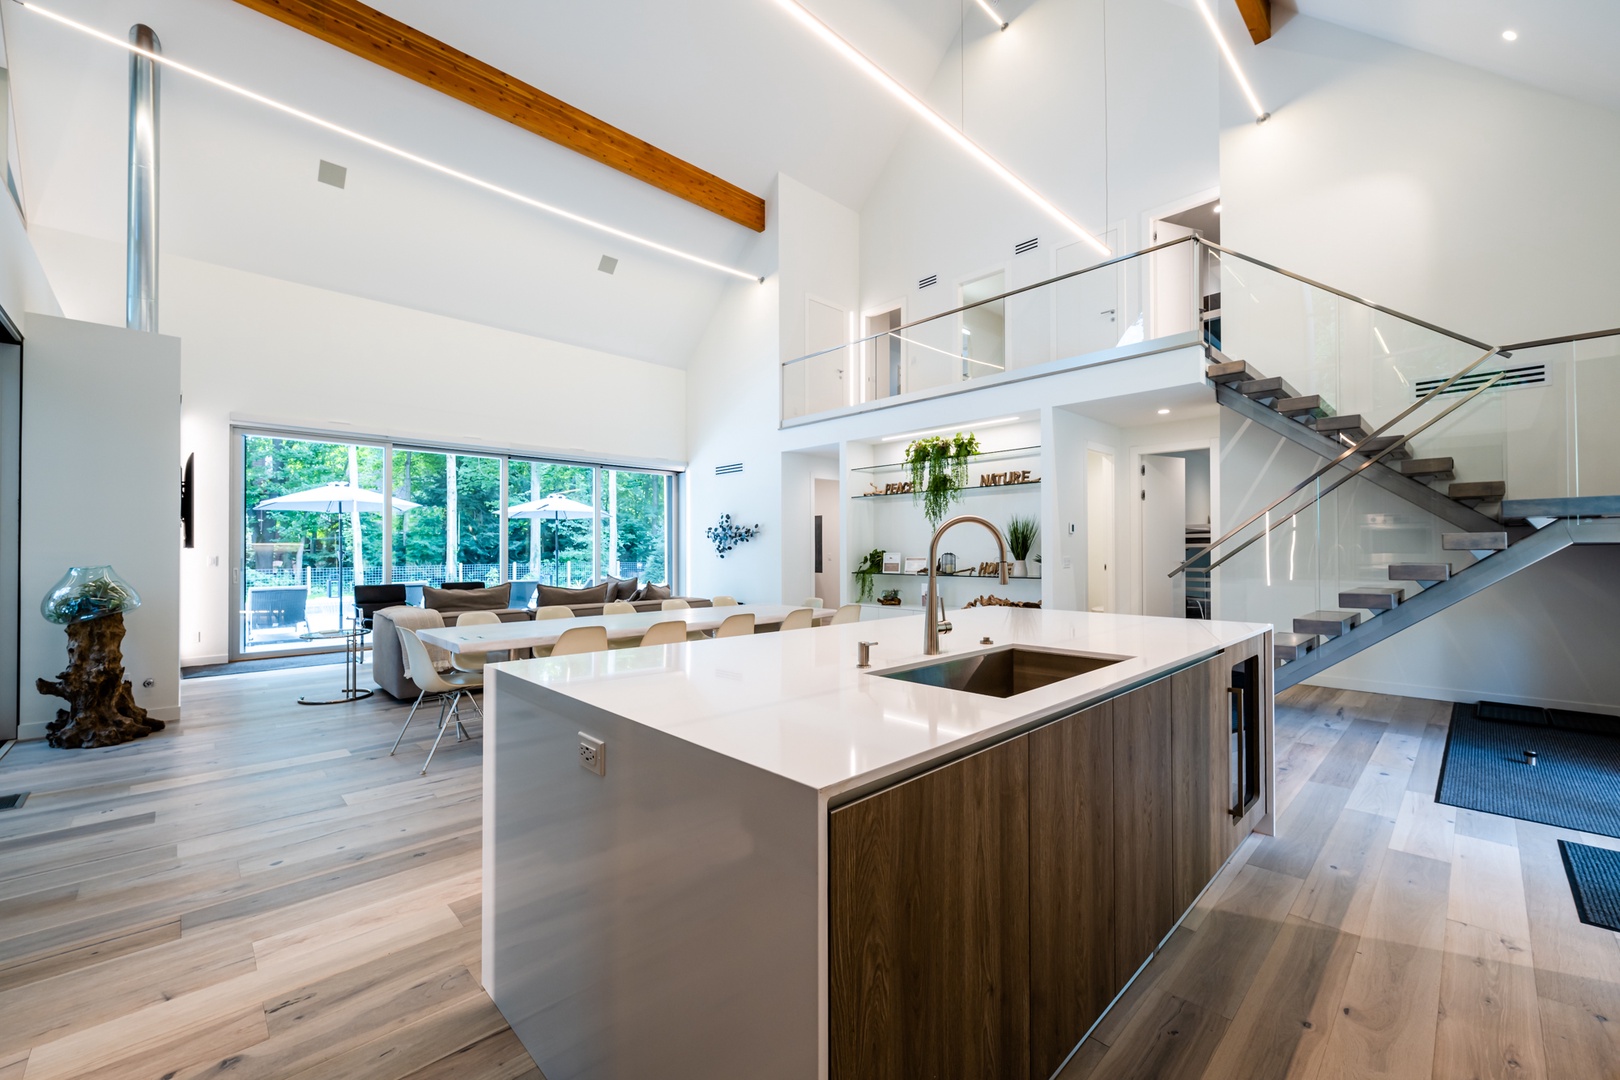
276 612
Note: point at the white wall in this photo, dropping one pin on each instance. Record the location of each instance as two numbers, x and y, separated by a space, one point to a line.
23 284
1472 201
267 351
101 485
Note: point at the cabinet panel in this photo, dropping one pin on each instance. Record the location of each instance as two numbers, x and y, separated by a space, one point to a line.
1072 975
1144 893
1201 768
928 908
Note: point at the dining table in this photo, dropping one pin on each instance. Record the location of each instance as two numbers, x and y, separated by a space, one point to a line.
621 629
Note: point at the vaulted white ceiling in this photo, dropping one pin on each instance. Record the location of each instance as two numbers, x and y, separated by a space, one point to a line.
731 85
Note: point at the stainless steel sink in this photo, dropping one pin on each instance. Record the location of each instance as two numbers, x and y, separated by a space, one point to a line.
1003 672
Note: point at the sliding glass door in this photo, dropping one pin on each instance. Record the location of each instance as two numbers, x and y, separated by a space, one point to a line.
320 514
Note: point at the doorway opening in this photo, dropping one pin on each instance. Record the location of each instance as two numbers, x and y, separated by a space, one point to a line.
1175 523
884 358
1172 270
984 327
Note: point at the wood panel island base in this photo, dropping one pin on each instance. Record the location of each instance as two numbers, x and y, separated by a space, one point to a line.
770 863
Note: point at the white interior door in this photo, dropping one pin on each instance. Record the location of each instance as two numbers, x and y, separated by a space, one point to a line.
1100 531
1171 311
824 329
1089 306
1164 535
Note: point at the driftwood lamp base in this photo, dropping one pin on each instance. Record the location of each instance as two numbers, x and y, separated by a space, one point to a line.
101 703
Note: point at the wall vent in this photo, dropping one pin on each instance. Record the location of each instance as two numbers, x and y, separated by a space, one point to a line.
728 470
1027 246
931 279
1513 378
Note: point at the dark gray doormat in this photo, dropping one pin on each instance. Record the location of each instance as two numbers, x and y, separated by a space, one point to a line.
1594 878
1575 783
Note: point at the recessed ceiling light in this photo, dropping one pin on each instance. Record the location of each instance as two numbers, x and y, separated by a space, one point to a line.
1260 114
1217 208
1164 412
995 16
378 144
938 122
1510 35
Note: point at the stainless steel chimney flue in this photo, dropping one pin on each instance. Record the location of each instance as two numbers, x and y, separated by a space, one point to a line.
141 258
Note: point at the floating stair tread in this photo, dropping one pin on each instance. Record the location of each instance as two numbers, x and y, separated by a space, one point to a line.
1291 646
1327 623
1373 446
1478 489
1373 597
1474 541
1339 423
1310 405
1262 389
1420 572
1433 468
1231 371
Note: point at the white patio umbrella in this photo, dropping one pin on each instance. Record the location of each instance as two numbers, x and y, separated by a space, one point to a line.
554 507
335 499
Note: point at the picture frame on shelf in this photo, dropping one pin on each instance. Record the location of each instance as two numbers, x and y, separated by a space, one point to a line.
892 561
915 564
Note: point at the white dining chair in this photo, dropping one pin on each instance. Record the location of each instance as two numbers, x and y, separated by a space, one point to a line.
672 632
449 687
812 602
618 607
554 611
847 614
473 661
675 603
798 619
581 639
724 601
738 625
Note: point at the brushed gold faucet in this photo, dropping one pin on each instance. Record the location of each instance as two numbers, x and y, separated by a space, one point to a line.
933 624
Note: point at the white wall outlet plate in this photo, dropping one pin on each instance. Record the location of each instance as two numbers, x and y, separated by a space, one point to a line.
592 754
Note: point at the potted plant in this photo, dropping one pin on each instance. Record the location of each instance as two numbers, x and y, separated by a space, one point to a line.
872 564
939 471
1021 533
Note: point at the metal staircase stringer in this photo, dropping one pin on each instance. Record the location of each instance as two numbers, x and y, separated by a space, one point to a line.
1418 494
1435 599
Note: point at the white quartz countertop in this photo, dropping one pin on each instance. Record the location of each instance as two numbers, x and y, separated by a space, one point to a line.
794 704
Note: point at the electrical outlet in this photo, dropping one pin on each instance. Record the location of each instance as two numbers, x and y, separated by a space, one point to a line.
592 754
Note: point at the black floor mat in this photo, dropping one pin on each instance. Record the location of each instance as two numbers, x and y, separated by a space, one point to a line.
1594 878
1575 783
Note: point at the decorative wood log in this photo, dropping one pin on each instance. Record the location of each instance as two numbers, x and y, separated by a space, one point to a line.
101 703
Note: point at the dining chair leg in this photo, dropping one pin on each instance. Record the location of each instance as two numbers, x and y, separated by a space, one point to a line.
446 714
408 720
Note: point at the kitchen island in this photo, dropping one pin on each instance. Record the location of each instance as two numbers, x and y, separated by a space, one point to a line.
750 858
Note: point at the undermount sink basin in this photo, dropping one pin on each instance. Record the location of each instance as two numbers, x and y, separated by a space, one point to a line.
1003 672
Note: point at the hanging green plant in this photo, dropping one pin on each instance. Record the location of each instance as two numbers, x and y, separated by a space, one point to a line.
939 471
871 565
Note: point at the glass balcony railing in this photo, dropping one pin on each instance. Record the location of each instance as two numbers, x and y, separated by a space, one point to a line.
1124 301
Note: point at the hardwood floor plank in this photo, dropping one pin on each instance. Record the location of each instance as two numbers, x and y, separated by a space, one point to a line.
1310 820
1425 828
1490 1023
1339 890
1170 1039
1487 889
1347 761
1234 940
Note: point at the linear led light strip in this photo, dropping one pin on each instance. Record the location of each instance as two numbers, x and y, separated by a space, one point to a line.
995 16
1260 114
378 144
939 123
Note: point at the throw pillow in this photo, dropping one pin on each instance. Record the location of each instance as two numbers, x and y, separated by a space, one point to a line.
595 594
621 588
652 592
494 599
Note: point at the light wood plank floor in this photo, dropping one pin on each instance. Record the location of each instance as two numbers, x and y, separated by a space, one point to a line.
262 892
1378 935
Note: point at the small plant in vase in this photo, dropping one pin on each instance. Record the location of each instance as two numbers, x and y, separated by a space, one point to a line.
872 564
939 472
1021 533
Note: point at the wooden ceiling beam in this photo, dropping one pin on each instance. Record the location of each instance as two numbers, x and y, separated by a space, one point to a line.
404 50
1257 17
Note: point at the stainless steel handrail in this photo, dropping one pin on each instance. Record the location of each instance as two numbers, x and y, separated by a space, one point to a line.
1354 449
1465 339
1353 473
1002 296
1565 340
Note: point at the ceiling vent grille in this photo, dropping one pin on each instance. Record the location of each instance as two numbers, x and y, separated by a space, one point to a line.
1514 378
728 470
931 279
1027 246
